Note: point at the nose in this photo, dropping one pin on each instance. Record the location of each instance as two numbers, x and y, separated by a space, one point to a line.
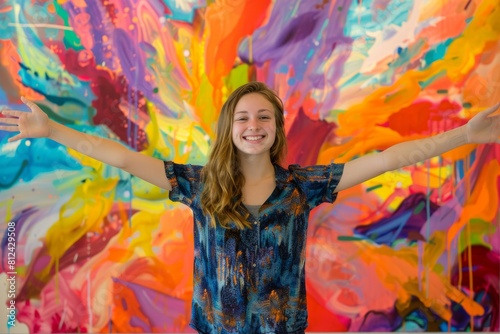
253 124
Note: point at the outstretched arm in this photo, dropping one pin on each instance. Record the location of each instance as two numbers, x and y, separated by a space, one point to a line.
36 124
481 129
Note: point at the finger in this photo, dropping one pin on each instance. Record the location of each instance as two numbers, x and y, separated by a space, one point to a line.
490 110
30 104
26 101
10 112
10 128
16 137
495 118
9 120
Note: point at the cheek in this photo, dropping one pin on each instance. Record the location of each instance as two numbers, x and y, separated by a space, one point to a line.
274 132
275 136
234 132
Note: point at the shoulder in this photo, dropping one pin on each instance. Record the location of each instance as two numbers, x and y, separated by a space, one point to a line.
185 170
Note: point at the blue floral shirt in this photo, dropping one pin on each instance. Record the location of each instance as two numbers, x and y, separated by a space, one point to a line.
253 280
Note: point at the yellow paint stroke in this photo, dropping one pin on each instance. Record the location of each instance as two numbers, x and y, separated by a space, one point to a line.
184 130
386 185
83 213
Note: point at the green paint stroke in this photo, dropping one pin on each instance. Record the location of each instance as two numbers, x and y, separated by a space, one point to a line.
479 230
419 208
374 187
425 83
71 39
349 238
238 76
457 306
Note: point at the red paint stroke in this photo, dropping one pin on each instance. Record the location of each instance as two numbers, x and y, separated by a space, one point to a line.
305 150
485 265
109 90
317 313
426 118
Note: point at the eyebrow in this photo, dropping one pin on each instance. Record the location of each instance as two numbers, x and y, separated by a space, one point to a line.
246 112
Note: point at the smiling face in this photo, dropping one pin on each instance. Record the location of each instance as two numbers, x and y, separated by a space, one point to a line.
254 125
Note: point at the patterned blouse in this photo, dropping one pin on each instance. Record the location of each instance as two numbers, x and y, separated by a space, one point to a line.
253 280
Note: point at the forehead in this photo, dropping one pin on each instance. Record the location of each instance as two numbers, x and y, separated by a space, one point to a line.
253 102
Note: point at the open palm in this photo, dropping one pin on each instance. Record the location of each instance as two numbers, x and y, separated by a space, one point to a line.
33 124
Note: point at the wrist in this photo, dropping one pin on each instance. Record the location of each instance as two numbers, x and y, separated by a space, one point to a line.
456 137
52 125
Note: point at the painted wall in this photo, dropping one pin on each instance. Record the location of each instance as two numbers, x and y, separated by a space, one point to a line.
98 250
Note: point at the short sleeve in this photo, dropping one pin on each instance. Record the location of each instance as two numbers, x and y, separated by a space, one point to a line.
185 182
318 183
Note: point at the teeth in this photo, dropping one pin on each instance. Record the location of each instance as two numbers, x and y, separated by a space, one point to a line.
253 137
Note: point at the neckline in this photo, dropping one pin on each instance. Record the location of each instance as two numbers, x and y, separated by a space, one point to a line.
280 179
252 206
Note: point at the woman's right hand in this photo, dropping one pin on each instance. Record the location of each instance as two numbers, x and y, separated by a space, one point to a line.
33 124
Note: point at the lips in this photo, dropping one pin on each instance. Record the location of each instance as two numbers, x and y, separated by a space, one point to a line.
253 138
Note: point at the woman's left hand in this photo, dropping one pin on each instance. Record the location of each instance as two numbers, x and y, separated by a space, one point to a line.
483 128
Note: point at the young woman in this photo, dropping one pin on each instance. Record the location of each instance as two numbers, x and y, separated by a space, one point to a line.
250 213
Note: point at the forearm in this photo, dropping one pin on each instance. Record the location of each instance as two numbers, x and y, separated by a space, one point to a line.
101 149
112 153
411 152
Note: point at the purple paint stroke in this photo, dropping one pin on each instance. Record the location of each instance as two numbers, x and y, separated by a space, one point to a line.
20 220
303 44
161 310
404 221
380 321
131 60
441 220
123 49
99 23
444 217
135 321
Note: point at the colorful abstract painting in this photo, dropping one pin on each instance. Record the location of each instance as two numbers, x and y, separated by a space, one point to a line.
416 249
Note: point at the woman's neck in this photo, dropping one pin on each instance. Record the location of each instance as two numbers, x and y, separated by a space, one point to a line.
255 168
260 179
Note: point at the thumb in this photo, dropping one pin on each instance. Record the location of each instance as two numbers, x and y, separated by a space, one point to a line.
16 137
30 104
490 110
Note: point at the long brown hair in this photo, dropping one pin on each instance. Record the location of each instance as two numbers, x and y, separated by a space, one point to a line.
221 198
